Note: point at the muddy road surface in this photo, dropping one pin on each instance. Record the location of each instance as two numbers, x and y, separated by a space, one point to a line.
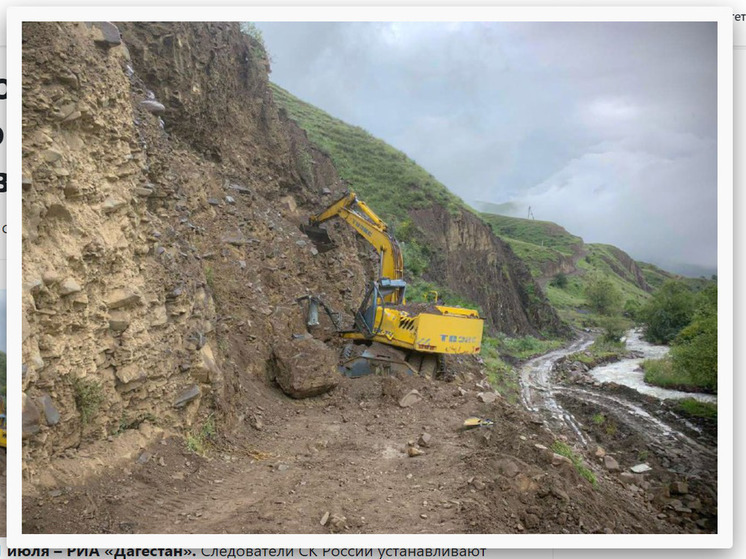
646 436
362 459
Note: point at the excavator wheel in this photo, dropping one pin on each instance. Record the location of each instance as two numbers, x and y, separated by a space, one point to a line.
429 366
444 372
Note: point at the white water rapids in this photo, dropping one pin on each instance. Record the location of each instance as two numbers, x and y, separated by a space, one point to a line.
627 372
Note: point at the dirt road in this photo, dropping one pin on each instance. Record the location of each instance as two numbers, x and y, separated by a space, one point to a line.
341 463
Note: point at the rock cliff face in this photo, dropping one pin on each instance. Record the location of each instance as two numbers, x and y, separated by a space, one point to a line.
162 194
162 258
625 266
473 261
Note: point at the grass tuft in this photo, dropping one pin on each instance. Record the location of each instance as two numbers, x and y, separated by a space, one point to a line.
696 408
198 440
88 398
564 450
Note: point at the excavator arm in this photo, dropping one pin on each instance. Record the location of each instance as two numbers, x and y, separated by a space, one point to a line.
361 218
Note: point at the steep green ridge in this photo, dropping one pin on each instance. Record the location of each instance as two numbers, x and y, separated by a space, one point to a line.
654 276
544 234
384 177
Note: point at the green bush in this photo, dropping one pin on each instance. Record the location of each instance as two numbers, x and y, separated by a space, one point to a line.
694 352
669 310
416 258
603 296
632 309
614 328
88 397
199 439
560 281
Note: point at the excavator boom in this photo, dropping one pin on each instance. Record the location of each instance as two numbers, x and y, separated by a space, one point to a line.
372 228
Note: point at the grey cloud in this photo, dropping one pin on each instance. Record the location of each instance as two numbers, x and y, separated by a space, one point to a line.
606 128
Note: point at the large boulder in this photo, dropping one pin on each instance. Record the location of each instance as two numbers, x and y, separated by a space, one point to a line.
304 367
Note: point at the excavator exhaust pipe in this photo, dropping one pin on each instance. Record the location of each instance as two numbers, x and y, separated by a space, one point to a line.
319 237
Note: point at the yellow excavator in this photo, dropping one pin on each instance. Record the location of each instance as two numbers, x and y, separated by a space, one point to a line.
426 333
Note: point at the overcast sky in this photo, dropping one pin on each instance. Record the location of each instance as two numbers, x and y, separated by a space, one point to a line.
608 129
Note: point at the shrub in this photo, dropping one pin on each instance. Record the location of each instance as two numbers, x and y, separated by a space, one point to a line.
660 372
695 350
669 310
603 296
632 309
198 440
614 328
560 281
88 397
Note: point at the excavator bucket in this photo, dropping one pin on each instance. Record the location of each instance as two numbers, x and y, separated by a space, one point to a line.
319 236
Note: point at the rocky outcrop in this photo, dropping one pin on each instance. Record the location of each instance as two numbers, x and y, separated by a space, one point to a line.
162 193
560 263
624 266
136 307
471 260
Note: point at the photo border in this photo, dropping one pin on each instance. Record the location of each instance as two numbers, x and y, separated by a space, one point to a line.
721 15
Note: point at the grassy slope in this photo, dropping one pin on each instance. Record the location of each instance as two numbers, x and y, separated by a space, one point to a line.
384 177
654 276
541 242
543 234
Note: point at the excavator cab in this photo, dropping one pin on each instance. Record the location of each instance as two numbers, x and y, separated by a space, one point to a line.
367 318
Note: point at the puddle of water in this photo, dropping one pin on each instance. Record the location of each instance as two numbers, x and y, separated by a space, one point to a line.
627 372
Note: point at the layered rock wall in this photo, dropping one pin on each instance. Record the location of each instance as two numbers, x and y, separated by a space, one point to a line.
473 261
162 258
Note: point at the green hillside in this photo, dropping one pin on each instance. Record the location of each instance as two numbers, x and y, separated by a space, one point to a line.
551 251
544 234
654 276
384 177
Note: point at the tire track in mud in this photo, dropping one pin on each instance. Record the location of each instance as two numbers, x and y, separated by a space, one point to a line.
692 454
153 506
537 391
